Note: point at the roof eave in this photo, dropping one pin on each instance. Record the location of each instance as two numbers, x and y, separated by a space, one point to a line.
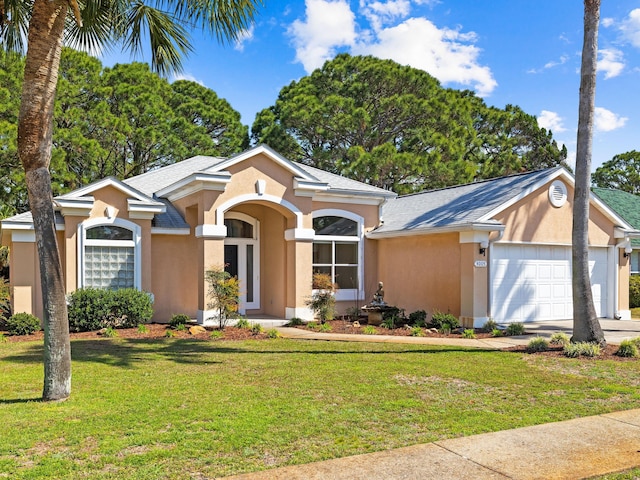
462 227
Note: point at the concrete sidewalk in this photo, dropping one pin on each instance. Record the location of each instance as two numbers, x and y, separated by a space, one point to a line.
575 449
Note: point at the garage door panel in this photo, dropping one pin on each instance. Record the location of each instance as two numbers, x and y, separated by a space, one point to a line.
533 282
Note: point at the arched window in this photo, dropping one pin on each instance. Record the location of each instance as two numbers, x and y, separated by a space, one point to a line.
337 251
109 255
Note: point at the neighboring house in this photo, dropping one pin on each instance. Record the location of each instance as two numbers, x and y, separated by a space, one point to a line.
498 248
627 205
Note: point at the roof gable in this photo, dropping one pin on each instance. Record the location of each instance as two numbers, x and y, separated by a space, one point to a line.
471 206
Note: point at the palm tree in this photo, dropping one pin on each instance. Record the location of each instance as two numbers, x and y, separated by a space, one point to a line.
47 24
586 327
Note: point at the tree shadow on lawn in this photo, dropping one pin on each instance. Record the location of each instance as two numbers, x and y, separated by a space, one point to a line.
125 352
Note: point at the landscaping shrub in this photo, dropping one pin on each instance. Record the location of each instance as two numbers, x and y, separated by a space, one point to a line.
179 319
22 324
418 318
516 328
537 344
584 349
215 334
273 333
496 332
110 332
369 330
242 323
142 328
295 321
323 300
560 338
388 323
224 292
443 321
256 328
324 328
627 348
469 333
489 326
93 309
634 291
417 332
3 339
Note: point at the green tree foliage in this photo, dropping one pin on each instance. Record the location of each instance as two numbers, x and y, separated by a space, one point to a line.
621 172
118 121
395 127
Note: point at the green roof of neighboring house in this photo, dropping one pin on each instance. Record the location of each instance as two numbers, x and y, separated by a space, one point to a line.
627 205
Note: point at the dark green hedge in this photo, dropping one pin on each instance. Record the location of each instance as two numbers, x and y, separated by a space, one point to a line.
94 308
634 291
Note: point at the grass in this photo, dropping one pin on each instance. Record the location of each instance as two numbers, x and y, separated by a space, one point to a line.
635 312
182 408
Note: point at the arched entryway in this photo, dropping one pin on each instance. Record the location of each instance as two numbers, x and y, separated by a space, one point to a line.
242 257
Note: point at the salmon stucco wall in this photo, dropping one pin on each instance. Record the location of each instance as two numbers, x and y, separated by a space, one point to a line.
421 272
534 219
26 295
624 273
175 277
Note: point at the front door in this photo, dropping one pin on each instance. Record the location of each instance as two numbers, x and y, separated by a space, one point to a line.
242 258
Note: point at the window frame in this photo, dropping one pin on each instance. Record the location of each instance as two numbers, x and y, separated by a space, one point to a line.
634 253
346 294
84 242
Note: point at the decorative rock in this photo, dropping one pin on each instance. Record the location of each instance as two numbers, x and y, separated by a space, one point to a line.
197 330
356 324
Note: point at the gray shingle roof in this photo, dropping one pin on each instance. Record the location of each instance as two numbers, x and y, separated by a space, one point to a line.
171 218
155 180
339 183
457 206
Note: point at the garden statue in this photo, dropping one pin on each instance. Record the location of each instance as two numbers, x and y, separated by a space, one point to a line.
378 297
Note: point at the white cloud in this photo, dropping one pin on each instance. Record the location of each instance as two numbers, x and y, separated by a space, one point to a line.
630 28
383 13
551 121
328 25
608 22
187 76
446 54
606 121
450 55
611 62
244 37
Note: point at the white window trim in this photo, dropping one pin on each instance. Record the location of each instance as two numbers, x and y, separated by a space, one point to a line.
350 294
636 252
118 222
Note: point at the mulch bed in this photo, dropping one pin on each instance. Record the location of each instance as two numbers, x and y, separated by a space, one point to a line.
158 330
155 331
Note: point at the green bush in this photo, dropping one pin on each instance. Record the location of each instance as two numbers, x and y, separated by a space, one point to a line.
256 328
388 323
538 344
273 333
560 338
142 328
418 318
22 324
496 332
469 333
417 331
93 309
369 330
489 326
179 319
634 291
295 321
444 321
215 334
627 348
242 323
584 349
516 328
110 332
324 328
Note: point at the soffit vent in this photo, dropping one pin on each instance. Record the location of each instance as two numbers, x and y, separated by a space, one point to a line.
558 193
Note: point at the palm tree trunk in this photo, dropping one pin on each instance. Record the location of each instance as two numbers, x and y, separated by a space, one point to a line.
35 126
586 327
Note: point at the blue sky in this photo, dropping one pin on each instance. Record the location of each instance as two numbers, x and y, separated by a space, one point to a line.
522 53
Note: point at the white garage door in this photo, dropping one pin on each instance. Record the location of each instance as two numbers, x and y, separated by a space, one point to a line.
533 282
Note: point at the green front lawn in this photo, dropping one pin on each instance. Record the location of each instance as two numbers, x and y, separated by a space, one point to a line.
180 408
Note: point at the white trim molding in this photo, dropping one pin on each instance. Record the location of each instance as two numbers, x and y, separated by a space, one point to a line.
211 231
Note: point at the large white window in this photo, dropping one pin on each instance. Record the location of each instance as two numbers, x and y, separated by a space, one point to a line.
634 256
109 254
337 251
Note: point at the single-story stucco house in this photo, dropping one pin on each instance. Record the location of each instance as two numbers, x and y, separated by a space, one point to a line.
493 249
627 205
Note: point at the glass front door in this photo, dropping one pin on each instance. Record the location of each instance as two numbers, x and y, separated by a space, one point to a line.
241 259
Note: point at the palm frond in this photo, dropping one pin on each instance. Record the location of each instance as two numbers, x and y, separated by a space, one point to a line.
169 40
97 31
226 19
14 24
